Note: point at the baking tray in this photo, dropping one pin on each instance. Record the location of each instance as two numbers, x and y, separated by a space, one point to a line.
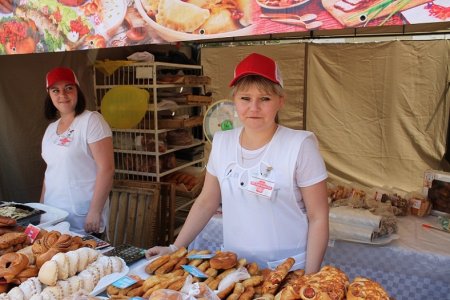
33 216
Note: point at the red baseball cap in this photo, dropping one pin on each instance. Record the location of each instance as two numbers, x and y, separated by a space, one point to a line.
61 74
257 64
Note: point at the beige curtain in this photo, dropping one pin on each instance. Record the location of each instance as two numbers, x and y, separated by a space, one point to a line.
380 110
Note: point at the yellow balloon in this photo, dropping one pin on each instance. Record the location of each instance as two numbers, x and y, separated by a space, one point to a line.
124 106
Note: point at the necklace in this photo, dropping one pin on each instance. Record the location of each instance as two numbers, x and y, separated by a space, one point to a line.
252 156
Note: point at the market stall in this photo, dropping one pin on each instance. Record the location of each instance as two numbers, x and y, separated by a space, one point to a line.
410 265
379 109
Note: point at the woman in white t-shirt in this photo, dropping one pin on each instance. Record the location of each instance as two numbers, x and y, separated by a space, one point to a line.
270 180
77 148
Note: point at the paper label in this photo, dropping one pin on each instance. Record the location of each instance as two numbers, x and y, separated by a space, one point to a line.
416 203
32 232
124 282
260 186
201 256
194 271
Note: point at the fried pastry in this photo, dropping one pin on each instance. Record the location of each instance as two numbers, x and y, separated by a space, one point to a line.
181 16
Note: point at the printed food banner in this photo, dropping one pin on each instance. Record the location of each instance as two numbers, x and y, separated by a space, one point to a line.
63 25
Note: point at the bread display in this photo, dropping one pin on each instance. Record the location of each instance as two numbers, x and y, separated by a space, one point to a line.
54 242
200 273
241 280
67 266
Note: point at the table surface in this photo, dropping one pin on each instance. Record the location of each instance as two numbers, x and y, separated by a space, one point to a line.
414 266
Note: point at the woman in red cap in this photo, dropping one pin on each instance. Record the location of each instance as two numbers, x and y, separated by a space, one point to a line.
77 148
269 179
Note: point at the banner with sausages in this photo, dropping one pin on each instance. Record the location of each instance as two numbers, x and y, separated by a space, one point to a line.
28 26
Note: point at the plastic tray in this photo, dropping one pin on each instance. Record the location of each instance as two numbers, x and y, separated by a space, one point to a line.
33 214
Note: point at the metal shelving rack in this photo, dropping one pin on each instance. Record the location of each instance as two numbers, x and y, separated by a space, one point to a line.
151 164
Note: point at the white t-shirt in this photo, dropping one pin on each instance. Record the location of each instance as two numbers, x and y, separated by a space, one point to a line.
266 229
71 169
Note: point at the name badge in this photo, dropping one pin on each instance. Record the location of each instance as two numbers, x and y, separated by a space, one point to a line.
64 139
260 186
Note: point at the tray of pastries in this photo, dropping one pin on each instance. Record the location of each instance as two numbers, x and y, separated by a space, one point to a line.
22 213
223 275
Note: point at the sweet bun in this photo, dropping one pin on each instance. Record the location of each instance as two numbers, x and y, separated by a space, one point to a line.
63 265
72 258
4 296
95 273
223 260
37 297
65 287
117 264
30 287
48 274
76 284
16 294
52 292
106 264
88 280
83 259
92 254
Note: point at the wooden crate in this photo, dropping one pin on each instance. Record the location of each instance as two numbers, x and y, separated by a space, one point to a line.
142 213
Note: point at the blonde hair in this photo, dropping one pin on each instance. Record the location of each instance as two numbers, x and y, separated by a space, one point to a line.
260 82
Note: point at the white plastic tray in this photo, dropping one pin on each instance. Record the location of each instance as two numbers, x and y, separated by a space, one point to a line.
51 216
109 279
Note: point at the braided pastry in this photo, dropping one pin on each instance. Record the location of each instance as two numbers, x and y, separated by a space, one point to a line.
50 238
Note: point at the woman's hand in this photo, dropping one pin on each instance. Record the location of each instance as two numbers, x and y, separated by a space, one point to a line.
160 250
92 222
6 6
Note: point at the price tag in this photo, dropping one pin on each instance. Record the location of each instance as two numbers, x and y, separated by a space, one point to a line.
124 282
194 271
201 256
32 231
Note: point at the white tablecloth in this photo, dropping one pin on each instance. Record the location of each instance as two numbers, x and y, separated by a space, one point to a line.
415 266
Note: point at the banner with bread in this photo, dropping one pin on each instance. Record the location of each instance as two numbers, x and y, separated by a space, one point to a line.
64 25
